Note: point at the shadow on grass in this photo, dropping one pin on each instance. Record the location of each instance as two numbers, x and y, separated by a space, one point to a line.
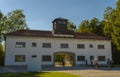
26 74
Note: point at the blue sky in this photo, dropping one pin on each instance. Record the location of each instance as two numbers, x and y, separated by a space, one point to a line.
40 13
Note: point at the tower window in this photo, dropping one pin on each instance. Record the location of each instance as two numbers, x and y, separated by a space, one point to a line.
61 22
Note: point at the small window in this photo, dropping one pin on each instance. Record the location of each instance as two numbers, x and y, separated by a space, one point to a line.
80 58
81 46
101 58
46 58
20 44
34 56
61 22
91 58
101 47
64 45
91 46
34 45
46 45
19 58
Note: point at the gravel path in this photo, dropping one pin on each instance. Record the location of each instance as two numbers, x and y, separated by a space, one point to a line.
95 73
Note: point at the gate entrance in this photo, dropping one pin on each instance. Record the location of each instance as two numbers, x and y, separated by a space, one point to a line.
64 59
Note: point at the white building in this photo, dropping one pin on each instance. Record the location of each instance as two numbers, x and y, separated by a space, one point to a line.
58 48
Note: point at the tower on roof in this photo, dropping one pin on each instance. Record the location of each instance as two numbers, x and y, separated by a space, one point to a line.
60 26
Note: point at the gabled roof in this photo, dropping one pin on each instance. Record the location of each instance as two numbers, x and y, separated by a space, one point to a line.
40 33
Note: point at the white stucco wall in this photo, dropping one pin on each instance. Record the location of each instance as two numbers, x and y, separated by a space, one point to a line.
11 50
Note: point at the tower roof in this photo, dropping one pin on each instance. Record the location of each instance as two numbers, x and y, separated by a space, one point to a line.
60 19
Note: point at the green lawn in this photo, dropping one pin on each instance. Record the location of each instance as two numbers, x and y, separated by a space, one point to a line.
38 74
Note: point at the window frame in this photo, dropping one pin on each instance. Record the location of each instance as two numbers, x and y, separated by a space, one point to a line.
46 45
101 46
64 45
91 46
20 45
101 59
48 59
79 58
22 58
34 44
33 56
80 46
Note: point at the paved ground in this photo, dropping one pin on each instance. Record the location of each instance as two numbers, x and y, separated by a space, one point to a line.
86 72
95 73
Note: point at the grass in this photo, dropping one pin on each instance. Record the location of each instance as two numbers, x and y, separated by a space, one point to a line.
38 74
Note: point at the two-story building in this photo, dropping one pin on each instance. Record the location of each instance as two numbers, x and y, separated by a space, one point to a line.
57 48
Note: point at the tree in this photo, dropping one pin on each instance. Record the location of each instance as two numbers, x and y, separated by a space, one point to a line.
94 23
1 47
1 15
71 26
84 27
13 21
92 26
107 13
112 26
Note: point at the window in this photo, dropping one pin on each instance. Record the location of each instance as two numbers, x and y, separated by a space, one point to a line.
33 56
34 45
46 58
19 58
101 58
82 46
20 44
101 47
91 58
46 45
61 22
80 58
64 45
91 46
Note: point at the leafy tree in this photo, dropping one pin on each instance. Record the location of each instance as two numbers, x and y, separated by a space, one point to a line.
92 26
94 23
84 27
71 26
112 26
1 48
107 13
100 27
13 21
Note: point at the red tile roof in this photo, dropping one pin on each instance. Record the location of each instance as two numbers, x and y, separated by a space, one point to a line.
40 33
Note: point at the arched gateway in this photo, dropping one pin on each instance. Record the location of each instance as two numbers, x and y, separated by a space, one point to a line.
64 59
